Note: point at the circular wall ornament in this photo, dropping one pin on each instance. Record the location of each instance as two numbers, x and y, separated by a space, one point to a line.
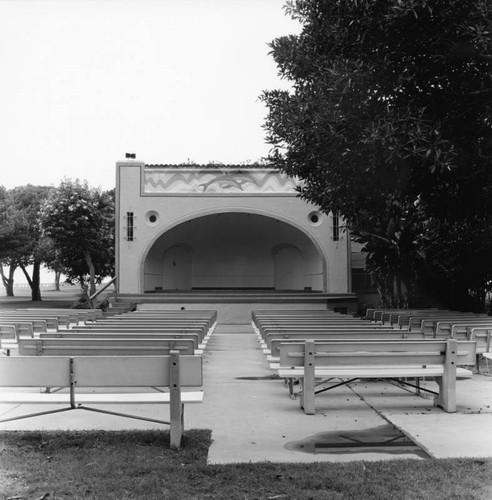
151 217
315 218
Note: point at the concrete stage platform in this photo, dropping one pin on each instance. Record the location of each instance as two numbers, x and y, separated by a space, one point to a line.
234 306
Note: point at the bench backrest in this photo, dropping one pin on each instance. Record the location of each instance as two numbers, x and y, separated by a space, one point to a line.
63 319
327 327
354 333
358 332
483 338
453 327
29 325
98 371
70 334
149 323
275 343
393 317
428 322
138 329
189 313
138 324
392 353
91 314
317 324
73 315
92 347
377 314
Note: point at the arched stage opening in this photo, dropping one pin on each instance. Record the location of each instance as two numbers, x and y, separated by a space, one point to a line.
234 251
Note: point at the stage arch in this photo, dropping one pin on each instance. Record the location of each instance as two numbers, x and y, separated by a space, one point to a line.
233 250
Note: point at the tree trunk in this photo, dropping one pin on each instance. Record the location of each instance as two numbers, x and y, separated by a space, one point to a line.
92 273
34 282
57 280
8 283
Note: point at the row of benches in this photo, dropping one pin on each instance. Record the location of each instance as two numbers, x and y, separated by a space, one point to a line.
327 325
429 321
32 320
317 345
152 349
160 326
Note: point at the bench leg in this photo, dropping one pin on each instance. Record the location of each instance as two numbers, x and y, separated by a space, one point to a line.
177 425
307 395
176 407
446 398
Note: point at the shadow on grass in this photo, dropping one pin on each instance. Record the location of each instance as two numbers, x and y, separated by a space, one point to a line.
140 465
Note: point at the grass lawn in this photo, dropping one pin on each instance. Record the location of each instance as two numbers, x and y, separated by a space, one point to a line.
140 465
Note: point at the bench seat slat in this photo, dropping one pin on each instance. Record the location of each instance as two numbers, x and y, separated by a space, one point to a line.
372 372
97 398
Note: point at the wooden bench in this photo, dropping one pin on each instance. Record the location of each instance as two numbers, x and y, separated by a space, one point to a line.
400 318
208 315
348 333
125 328
291 332
20 328
260 317
121 373
7 333
427 324
288 329
153 321
377 360
53 320
373 314
274 342
25 326
453 328
83 314
75 316
104 347
136 334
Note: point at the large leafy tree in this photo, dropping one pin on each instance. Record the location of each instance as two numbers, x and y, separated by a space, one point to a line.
8 242
27 200
21 238
388 125
79 220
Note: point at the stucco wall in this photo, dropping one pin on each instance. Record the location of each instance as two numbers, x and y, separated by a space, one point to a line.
135 258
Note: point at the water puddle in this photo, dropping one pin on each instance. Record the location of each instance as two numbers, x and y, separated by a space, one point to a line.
385 439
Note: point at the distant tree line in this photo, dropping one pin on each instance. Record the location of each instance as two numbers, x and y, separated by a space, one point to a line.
388 124
69 229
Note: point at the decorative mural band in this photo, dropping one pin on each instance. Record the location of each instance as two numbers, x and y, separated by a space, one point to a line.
217 181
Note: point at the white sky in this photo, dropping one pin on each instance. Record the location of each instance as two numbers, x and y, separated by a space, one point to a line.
85 81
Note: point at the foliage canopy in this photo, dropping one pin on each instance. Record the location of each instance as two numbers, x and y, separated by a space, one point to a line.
80 222
388 124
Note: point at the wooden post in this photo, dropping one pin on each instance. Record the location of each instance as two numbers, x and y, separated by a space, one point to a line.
447 383
72 383
176 407
307 398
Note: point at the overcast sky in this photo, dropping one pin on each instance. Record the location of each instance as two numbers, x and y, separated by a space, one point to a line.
85 81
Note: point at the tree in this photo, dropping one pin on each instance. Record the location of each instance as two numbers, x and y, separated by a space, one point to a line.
6 243
27 200
388 125
80 222
21 239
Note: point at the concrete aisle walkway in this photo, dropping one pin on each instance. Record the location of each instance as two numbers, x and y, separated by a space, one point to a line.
253 419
